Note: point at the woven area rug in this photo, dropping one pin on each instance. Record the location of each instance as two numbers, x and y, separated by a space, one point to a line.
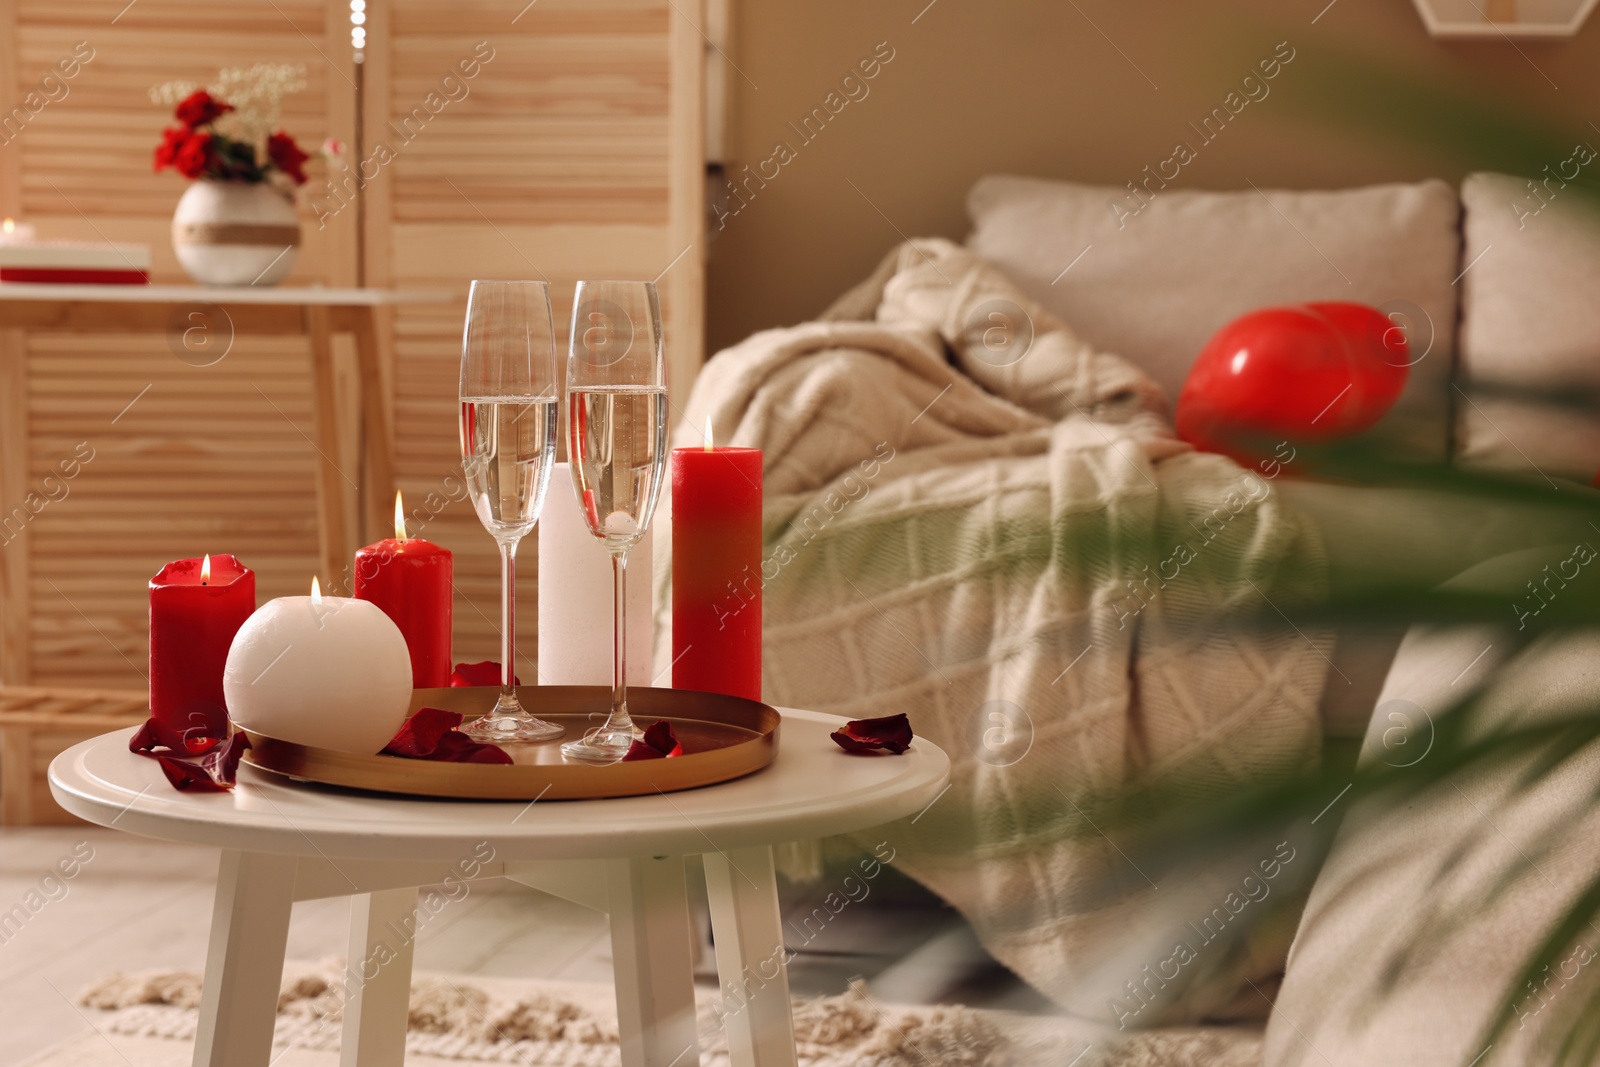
150 1019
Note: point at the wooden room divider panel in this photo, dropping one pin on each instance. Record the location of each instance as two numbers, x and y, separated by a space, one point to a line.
561 139
554 140
168 458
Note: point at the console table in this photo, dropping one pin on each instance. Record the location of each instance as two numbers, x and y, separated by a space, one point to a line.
199 323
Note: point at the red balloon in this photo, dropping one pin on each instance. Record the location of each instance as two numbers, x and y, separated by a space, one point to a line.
1310 374
1380 350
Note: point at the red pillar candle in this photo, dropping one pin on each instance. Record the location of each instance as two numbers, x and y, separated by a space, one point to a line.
716 570
412 580
196 606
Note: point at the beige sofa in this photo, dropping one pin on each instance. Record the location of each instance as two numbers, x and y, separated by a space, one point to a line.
1499 284
1490 295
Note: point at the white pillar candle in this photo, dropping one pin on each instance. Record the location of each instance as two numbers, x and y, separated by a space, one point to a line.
330 672
16 233
575 596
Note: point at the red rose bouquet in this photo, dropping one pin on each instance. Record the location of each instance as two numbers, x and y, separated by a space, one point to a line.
229 131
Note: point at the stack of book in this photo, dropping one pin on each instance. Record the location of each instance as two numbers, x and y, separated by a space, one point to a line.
74 262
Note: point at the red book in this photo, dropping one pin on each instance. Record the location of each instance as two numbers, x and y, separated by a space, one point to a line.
74 276
69 262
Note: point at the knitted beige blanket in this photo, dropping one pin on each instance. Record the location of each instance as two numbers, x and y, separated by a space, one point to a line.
974 518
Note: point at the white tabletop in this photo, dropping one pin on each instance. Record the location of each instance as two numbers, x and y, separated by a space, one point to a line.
813 789
222 294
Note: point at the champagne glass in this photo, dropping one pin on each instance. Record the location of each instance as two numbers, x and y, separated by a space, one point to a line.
509 424
617 445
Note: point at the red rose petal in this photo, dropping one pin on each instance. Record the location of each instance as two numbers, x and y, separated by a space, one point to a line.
156 737
457 747
143 739
485 673
420 735
215 772
431 734
658 742
659 736
891 733
850 744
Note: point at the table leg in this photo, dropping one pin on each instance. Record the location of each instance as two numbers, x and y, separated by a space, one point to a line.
377 436
742 888
16 590
244 963
335 488
378 978
650 944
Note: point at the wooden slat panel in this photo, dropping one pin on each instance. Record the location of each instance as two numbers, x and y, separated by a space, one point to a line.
575 151
208 458
568 156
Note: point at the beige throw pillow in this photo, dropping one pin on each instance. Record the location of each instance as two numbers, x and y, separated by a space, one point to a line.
1154 286
1530 320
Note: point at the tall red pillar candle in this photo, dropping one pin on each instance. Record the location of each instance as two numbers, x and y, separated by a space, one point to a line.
196 606
412 580
716 570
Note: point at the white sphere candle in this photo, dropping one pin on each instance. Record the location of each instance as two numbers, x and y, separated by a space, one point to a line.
329 672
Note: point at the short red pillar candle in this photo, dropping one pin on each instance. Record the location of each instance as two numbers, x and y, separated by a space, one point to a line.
196 606
716 570
412 580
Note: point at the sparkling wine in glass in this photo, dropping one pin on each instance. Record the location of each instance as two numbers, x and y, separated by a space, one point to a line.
617 445
509 424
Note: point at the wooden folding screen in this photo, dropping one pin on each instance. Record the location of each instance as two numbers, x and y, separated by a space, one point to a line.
186 459
573 150
568 145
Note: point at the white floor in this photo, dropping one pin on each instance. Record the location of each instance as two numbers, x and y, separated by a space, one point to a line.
140 905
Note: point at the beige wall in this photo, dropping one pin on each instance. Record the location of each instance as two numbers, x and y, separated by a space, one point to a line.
1031 87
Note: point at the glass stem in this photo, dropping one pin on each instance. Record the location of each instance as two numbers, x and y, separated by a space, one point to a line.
620 719
508 623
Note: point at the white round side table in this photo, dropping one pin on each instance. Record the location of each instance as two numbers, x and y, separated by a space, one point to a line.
283 842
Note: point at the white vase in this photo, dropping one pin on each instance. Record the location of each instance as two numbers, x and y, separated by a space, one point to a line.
235 233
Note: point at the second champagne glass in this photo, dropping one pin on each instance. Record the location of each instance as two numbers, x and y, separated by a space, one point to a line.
617 445
508 440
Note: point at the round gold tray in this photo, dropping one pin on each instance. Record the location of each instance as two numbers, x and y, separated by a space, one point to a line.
723 738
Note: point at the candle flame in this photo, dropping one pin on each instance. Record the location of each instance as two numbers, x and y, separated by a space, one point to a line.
399 518
10 225
205 564
708 434
316 592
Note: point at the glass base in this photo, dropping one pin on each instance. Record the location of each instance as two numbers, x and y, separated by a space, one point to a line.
600 746
501 727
